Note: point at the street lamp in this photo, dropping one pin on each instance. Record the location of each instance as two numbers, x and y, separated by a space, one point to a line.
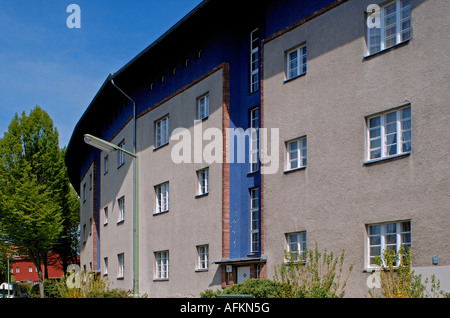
109 147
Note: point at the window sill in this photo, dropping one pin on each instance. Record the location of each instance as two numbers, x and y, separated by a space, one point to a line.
120 222
120 277
162 212
293 78
373 55
293 170
160 279
251 173
391 158
121 165
203 119
201 270
198 196
378 269
159 147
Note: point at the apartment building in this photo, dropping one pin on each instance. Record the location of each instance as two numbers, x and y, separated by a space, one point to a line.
298 123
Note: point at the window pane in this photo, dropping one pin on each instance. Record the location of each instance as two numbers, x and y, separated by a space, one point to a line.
375 240
374 230
375 121
391 228
406 113
376 143
406 226
375 132
375 251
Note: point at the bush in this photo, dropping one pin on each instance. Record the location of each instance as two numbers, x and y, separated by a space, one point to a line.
50 290
317 275
258 288
397 280
93 286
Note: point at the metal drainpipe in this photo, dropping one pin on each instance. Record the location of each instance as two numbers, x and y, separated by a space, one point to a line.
136 201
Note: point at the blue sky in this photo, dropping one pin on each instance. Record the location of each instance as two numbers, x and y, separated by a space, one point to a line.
45 63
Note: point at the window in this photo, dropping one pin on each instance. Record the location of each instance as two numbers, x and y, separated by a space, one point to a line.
90 181
254 61
120 154
389 134
106 164
394 28
203 181
162 132
254 220
30 269
17 270
203 107
162 197
121 203
105 262
254 140
296 62
105 212
296 154
296 244
387 236
84 233
121 265
162 265
202 257
84 192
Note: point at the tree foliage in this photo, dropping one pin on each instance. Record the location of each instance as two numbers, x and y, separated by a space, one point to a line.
34 189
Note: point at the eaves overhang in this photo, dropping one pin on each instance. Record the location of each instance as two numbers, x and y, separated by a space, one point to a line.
87 123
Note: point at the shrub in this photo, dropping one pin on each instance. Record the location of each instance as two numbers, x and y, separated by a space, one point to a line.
398 280
93 286
258 288
50 290
318 275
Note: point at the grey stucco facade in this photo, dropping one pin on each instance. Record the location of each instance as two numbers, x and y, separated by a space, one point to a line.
340 193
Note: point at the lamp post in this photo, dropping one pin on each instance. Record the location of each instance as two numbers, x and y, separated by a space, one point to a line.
109 147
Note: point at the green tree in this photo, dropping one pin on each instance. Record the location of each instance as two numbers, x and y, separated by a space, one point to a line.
31 169
67 246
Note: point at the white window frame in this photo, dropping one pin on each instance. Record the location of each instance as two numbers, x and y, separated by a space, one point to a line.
203 107
121 265
121 155
121 207
254 60
254 195
202 257
105 215
162 132
401 34
297 157
105 263
296 243
383 133
162 265
84 192
299 64
106 164
162 197
254 139
203 181
385 235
